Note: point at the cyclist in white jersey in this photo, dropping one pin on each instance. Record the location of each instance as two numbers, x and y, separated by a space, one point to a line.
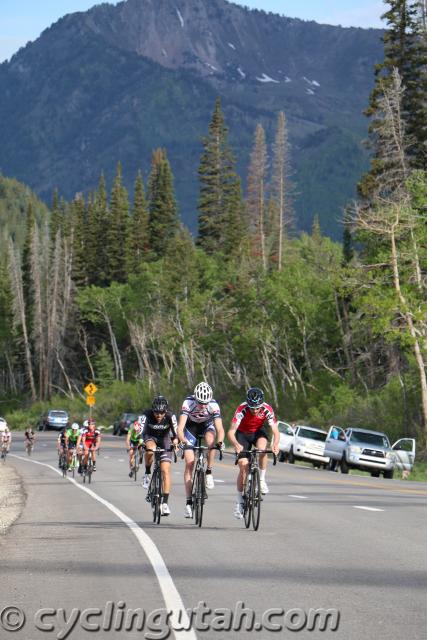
200 416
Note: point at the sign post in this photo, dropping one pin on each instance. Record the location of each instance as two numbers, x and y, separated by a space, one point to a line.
90 389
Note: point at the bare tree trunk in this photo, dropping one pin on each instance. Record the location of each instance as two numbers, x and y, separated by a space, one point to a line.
281 190
256 189
19 313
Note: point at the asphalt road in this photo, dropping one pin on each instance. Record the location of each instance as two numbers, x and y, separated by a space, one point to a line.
356 545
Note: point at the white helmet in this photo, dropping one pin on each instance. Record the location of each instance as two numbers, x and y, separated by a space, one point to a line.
203 393
3 424
86 424
75 426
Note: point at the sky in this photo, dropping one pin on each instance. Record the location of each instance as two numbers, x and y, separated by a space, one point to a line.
24 20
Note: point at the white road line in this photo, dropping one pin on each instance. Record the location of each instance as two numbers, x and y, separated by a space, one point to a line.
218 480
368 508
121 460
173 601
106 457
292 495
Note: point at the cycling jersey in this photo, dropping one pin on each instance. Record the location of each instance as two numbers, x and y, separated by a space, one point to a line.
89 438
73 436
61 438
199 413
150 426
135 436
247 422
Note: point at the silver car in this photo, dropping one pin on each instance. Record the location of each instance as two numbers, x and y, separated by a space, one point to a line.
368 450
302 443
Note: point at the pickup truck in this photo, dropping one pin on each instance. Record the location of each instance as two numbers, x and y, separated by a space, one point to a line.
368 450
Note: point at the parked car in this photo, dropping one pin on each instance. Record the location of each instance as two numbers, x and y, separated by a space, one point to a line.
302 443
368 450
53 419
122 424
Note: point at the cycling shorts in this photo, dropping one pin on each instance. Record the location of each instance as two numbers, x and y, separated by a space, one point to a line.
196 429
163 442
249 440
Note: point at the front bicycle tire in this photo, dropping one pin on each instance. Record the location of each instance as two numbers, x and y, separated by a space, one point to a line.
256 499
247 501
156 495
200 497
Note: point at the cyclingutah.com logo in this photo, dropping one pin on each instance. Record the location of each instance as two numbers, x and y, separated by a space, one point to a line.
159 624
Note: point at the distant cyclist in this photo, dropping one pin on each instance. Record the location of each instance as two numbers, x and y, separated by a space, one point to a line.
248 429
134 443
200 416
29 439
91 440
159 430
72 436
61 445
5 435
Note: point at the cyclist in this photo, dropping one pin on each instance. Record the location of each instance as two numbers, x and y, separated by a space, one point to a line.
60 444
200 416
248 429
91 440
71 439
5 435
29 438
159 430
134 441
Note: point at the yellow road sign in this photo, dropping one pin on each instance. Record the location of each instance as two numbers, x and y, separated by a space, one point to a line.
90 400
91 389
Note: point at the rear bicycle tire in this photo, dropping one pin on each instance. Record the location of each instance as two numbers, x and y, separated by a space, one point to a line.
256 499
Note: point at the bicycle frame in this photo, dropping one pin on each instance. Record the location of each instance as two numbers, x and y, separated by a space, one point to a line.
252 496
198 481
155 489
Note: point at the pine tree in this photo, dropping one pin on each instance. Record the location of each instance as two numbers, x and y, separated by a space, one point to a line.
117 232
80 235
26 258
163 216
256 201
104 367
137 242
96 246
405 49
281 188
220 192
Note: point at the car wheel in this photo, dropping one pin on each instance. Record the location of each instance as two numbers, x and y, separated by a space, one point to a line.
389 474
282 456
316 465
291 457
331 465
344 466
375 474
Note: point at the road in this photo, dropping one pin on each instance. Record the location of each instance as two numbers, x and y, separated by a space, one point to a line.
326 541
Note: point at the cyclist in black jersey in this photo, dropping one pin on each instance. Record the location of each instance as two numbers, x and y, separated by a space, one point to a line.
159 430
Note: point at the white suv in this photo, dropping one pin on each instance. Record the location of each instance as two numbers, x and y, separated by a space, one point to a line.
302 443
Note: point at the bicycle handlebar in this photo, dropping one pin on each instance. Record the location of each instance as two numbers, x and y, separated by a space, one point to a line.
252 451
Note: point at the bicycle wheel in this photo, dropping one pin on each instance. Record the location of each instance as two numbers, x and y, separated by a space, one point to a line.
135 467
256 499
247 501
199 497
64 465
89 471
156 494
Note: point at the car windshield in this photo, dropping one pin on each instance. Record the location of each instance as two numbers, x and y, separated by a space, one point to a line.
313 435
374 439
131 416
58 414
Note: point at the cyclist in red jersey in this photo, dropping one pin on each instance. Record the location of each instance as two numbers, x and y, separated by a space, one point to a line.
91 439
248 429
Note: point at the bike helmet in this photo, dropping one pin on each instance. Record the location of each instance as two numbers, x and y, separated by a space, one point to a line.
254 397
86 424
75 426
160 404
137 426
203 393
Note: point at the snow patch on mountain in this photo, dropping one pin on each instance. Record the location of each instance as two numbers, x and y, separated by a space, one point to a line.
266 78
181 19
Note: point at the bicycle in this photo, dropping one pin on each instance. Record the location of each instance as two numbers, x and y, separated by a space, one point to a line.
155 489
74 462
252 496
29 446
198 487
87 470
137 459
63 462
4 451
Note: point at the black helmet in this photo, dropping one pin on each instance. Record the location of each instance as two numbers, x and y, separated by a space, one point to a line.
254 397
159 404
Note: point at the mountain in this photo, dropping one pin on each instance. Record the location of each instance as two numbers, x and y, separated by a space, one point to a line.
117 81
